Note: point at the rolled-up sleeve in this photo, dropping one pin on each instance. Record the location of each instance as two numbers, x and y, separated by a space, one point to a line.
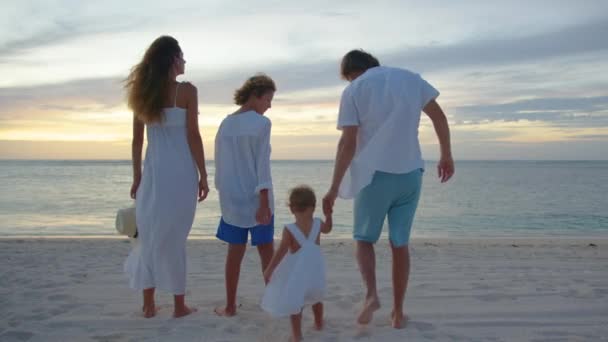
264 180
218 154
348 115
427 92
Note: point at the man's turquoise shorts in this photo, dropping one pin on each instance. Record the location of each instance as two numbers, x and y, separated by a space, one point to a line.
392 195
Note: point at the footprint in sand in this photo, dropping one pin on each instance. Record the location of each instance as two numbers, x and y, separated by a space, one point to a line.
109 338
16 336
422 326
345 303
58 297
63 308
495 297
79 278
361 334
481 286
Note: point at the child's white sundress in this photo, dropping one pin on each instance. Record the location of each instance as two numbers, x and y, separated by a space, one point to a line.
299 279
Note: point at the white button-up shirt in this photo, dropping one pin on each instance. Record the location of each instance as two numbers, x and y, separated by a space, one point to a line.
242 166
385 103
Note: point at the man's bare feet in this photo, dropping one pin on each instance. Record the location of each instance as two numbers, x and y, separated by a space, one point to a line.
370 305
185 311
399 320
295 339
149 311
225 311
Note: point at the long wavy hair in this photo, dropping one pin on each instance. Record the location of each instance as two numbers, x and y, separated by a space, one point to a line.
148 83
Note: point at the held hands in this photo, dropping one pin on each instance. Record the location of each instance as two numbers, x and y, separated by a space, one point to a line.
203 189
328 201
445 168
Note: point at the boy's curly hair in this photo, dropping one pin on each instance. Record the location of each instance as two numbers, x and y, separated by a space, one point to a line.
257 85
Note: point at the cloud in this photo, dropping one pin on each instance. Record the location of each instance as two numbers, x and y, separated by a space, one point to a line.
583 39
578 39
99 93
582 111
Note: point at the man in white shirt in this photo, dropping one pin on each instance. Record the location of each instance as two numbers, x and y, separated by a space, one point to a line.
379 164
244 182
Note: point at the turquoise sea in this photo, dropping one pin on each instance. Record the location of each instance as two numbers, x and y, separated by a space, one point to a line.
484 199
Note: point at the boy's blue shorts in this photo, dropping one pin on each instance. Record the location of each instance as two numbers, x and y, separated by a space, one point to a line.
388 195
260 234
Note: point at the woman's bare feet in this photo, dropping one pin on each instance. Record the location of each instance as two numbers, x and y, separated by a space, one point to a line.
295 339
317 312
318 324
399 320
225 311
183 311
149 311
370 305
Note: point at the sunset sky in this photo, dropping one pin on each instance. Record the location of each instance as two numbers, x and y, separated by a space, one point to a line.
518 79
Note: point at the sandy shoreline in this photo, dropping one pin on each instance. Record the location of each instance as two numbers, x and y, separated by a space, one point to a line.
505 289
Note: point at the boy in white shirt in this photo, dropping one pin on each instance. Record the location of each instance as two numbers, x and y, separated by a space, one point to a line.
243 181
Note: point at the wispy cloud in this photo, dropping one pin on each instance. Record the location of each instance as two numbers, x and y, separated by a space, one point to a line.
579 39
506 78
587 111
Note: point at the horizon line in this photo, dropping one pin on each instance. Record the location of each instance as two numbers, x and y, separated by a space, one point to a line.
311 160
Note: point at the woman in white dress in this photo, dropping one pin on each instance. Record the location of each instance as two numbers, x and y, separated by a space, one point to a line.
296 273
174 173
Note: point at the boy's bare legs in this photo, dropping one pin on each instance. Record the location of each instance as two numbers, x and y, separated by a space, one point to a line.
366 258
296 327
266 251
149 309
232 272
317 311
401 272
180 308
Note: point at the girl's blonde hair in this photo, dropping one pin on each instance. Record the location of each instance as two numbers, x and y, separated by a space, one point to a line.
148 83
301 198
256 85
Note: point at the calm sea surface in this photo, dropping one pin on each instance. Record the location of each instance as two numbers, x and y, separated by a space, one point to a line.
484 199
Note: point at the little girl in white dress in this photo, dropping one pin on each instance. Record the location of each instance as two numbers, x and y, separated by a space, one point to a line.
296 274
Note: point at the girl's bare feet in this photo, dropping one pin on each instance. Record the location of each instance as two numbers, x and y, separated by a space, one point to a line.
149 311
399 320
183 311
225 311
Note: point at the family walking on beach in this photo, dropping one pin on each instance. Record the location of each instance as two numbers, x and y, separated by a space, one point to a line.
378 164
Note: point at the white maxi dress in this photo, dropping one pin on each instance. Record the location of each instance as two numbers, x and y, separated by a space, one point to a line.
165 207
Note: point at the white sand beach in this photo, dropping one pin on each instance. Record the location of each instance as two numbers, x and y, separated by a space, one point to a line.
460 290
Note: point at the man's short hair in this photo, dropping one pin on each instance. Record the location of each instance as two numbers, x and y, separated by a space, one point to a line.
357 61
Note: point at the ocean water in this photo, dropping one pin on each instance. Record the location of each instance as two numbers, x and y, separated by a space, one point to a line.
484 199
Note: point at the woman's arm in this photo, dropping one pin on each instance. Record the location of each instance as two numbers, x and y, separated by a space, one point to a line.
136 149
195 141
